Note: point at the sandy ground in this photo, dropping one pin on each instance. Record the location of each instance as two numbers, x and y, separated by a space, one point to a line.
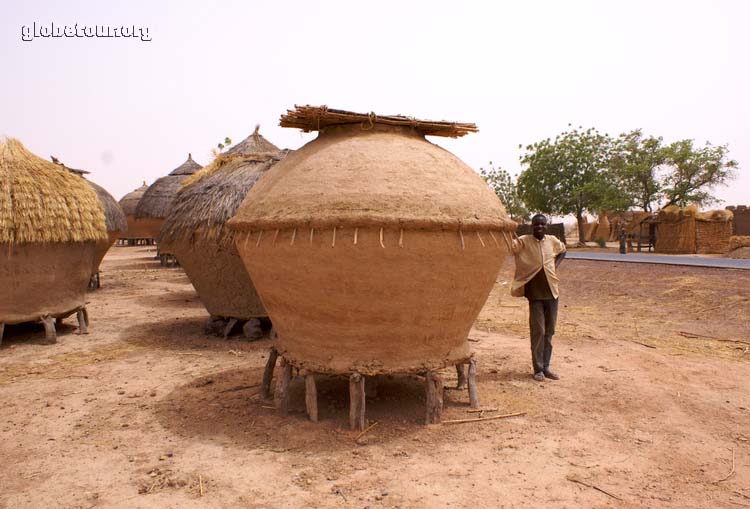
146 411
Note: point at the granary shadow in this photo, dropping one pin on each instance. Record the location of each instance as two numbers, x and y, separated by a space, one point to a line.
32 333
187 333
175 299
227 406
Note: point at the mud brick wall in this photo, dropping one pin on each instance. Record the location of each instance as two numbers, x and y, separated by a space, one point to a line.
741 221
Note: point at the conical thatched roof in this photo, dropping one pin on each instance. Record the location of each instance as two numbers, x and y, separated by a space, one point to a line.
209 197
158 197
42 202
130 201
113 213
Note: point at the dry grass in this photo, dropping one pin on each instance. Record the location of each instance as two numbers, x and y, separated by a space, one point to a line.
43 202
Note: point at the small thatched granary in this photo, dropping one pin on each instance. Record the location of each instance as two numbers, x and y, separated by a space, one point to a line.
50 222
687 231
195 228
116 223
137 233
154 205
602 228
373 251
739 246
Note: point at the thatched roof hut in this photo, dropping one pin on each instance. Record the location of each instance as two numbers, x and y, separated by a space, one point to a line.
675 230
373 249
154 205
713 229
114 216
195 228
50 221
137 231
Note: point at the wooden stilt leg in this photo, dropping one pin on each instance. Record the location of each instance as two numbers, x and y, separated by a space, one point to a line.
2 331
434 390
281 396
81 322
371 387
49 329
473 398
311 397
265 386
86 315
357 402
461 373
230 325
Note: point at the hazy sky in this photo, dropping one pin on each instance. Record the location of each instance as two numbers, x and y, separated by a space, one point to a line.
130 110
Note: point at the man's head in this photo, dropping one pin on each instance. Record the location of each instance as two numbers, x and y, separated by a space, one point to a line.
539 225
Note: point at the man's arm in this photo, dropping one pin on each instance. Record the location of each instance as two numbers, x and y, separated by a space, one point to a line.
559 258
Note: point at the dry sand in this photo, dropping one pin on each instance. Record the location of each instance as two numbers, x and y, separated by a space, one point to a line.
146 411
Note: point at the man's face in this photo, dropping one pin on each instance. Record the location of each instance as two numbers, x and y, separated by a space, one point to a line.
539 226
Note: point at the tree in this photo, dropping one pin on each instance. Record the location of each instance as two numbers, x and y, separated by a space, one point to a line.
692 172
570 175
502 183
635 161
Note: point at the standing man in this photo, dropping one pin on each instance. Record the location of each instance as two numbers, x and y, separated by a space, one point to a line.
537 257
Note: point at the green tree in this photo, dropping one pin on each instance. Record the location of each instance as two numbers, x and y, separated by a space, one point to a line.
570 175
502 183
693 172
635 161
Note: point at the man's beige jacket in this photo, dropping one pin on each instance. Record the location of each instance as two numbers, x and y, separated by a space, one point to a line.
531 256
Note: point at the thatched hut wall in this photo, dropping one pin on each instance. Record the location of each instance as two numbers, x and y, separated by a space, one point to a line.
675 232
373 249
602 228
50 221
195 228
115 220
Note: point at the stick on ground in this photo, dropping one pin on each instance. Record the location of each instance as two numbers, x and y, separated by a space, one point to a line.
592 486
459 421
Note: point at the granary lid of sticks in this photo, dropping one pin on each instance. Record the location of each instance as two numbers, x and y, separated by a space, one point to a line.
113 212
130 201
157 199
210 196
42 202
387 183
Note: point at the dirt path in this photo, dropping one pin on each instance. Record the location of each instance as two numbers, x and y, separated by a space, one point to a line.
147 411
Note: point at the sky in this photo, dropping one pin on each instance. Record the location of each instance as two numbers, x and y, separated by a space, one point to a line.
130 110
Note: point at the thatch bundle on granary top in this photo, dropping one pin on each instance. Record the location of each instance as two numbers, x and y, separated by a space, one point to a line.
155 203
115 219
137 233
196 230
50 222
687 231
373 251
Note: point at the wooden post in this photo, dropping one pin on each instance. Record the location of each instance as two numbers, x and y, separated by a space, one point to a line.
81 322
2 331
281 396
230 325
357 402
50 333
473 399
434 404
265 386
311 397
86 315
461 373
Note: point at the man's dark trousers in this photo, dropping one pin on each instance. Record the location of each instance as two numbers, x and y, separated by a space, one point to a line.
542 320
